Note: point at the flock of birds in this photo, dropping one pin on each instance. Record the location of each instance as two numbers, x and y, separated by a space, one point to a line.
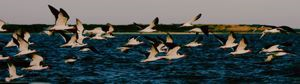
167 46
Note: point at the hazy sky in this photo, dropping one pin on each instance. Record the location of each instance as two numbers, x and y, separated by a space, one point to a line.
274 12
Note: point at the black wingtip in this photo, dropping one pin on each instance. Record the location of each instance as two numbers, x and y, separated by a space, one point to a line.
64 13
156 20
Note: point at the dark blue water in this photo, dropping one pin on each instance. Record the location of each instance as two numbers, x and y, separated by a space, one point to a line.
204 64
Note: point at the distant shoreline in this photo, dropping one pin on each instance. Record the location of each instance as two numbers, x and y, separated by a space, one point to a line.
180 33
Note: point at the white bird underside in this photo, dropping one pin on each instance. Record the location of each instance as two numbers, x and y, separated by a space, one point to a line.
35 63
197 30
152 56
272 49
133 41
173 54
193 44
241 48
269 31
230 42
149 28
189 23
23 47
12 73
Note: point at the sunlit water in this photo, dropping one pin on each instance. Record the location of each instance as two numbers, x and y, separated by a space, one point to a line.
204 64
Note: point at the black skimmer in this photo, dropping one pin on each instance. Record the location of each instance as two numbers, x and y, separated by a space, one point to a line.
125 48
23 46
275 54
134 41
12 73
276 29
71 59
230 41
79 36
151 55
1 26
61 19
149 28
96 33
89 48
173 53
160 45
275 47
69 41
12 42
196 42
189 23
35 63
22 34
109 31
241 48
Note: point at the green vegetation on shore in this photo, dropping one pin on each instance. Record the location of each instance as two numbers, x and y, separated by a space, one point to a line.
160 27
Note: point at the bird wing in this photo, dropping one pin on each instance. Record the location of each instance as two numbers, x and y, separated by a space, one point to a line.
54 11
287 28
154 22
110 29
73 38
15 39
12 69
153 52
269 58
230 39
94 49
36 60
63 18
220 39
79 26
64 35
173 51
169 38
23 44
204 29
135 24
1 23
242 45
26 36
194 19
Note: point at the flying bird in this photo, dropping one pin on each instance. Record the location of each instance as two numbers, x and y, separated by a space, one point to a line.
196 42
12 73
89 48
96 33
275 54
134 41
152 55
189 23
173 53
23 46
150 27
276 29
35 63
275 47
241 48
109 31
230 41
61 19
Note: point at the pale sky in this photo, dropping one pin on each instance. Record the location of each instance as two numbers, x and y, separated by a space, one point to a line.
273 12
